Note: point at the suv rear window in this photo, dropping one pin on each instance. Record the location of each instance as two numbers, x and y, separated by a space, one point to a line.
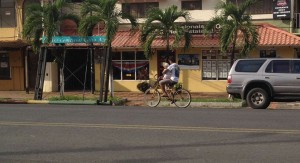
248 65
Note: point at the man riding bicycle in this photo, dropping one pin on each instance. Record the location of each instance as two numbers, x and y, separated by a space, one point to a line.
174 70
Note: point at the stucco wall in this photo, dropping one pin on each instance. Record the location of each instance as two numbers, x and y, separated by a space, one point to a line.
191 79
8 34
281 52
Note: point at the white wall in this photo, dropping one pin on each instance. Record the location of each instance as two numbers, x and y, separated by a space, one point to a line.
207 12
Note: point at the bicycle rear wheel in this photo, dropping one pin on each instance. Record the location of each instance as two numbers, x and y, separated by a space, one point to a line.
182 98
151 97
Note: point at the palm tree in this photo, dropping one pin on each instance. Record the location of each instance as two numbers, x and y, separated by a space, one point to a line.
162 24
45 21
97 11
236 27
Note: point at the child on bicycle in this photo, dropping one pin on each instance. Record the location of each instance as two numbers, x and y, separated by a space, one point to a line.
166 73
174 70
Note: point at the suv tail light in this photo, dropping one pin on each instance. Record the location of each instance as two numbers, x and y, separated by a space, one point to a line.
229 79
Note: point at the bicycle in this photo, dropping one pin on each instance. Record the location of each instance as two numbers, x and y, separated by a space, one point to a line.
176 95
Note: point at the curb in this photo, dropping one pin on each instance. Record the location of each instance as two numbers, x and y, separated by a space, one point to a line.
13 102
226 105
37 102
63 102
73 102
233 105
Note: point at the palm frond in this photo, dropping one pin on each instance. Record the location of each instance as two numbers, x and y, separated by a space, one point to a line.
87 25
236 25
72 17
131 19
148 43
162 23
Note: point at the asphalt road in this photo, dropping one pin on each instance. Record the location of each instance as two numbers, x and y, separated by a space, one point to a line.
80 133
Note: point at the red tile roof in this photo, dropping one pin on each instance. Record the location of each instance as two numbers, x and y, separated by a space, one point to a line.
273 36
269 36
127 39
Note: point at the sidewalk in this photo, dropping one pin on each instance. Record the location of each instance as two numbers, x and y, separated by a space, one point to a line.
135 99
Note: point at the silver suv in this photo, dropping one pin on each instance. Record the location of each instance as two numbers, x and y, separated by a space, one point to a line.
260 81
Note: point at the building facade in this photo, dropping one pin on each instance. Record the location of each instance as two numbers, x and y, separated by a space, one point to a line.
203 67
12 48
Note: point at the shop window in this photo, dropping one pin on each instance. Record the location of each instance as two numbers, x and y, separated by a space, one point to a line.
267 53
138 10
4 66
130 66
188 61
261 6
191 5
7 14
214 65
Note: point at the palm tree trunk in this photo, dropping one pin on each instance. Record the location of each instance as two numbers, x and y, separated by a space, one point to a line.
62 76
102 76
108 67
233 49
232 55
168 45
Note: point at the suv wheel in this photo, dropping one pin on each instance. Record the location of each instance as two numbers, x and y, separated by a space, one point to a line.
258 98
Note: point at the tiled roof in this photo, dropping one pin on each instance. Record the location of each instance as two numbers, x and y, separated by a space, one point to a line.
268 36
273 36
12 44
126 39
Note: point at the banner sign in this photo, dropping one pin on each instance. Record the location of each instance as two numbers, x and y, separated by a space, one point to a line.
281 9
76 39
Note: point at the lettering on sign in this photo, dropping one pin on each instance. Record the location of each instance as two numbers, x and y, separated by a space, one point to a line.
281 9
76 39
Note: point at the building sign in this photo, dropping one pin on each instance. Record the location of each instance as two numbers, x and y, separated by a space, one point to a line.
76 39
281 9
198 28
195 28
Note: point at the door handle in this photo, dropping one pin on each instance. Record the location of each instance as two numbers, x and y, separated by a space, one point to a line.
266 77
298 78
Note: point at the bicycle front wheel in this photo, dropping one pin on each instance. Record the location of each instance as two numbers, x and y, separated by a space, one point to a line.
182 98
151 97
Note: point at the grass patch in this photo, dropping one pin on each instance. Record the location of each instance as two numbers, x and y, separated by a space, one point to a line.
69 98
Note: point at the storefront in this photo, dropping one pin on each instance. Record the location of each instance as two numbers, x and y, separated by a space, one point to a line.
203 67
